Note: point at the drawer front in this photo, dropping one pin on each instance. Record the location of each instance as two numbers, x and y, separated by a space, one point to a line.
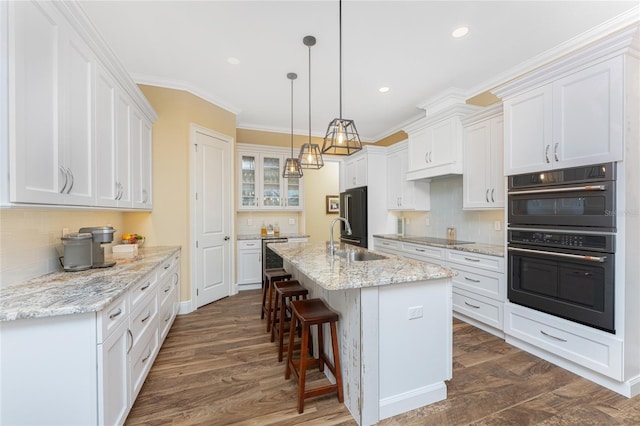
388 246
142 289
168 286
424 252
112 316
142 357
167 315
249 244
165 266
485 310
490 263
590 348
144 320
479 281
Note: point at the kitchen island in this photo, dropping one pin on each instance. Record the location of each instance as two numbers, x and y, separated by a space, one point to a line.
394 331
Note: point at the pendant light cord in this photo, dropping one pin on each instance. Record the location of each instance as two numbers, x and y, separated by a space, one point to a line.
291 118
340 59
309 95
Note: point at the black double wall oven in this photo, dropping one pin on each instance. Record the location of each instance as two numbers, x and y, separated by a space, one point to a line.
561 243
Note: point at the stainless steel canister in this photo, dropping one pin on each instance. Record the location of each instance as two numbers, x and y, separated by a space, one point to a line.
77 251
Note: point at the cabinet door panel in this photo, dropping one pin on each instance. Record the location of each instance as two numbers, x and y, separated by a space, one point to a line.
123 149
496 171
34 70
477 166
105 124
444 146
527 130
588 117
114 378
271 181
419 148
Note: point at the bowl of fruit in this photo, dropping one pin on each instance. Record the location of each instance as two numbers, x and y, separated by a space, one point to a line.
133 239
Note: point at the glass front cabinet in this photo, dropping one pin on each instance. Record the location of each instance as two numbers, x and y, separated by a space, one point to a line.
260 182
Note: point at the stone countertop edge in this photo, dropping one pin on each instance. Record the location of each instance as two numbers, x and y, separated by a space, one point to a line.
479 248
267 237
65 293
313 260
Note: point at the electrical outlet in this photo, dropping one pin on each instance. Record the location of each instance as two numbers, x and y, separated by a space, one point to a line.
249 222
415 312
497 225
65 231
292 221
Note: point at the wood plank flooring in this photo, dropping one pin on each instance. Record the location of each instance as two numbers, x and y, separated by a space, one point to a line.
218 367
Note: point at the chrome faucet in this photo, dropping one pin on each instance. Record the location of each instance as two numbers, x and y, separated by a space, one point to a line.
332 249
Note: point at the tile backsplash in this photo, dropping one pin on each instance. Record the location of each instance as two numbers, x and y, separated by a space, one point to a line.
249 223
446 210
30 242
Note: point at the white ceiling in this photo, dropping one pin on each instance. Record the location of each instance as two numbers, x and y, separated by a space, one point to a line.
405 45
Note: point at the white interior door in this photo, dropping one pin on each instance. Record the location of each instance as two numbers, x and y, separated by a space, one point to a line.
213 219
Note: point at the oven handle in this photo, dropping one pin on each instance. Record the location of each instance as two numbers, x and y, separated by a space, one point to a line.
566 189
599 259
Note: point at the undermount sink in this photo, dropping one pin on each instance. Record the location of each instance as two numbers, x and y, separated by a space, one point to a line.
359 256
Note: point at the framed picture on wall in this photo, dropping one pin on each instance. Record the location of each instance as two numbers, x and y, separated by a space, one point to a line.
333 204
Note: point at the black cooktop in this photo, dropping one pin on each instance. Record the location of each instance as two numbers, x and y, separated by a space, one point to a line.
433 240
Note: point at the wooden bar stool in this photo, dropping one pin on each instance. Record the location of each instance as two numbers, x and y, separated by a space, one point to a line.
285 291
268 278
313 312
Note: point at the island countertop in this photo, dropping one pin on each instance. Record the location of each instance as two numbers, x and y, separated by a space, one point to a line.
338 273
63 293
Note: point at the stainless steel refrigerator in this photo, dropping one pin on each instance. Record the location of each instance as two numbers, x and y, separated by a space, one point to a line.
353 207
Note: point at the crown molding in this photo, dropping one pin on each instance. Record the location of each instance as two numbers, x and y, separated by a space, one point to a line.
485 113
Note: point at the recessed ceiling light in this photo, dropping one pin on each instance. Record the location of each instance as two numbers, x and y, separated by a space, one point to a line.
233 61
460 32
383 89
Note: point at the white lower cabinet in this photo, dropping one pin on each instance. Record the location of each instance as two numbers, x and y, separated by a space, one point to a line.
249 262
479 286
596 350
87 369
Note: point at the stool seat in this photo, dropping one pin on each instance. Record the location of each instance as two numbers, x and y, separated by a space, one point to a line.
285 291
269 276
308 313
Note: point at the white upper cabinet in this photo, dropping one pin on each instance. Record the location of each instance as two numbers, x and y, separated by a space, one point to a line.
50 92
68 114
260 182
483 178
355 171
435 142
568 114
403 194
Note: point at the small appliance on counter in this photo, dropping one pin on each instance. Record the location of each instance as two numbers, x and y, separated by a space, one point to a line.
100 235
77 251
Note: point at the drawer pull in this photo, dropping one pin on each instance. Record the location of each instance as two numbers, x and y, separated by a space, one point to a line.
131 336
115 314
167 267
473 306
147 357
146 286
553 337
472 280
147 317
168 317
166 290
420 250
471 259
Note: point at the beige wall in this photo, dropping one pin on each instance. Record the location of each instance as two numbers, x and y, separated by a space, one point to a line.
169 223
317 185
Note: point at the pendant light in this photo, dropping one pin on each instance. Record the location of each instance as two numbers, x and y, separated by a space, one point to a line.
342 137
310 156
292 166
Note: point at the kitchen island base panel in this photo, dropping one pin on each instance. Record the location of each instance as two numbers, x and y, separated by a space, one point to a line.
390 364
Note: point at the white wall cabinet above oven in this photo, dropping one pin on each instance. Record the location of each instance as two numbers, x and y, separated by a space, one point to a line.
70 143
483 168
260 182
571 113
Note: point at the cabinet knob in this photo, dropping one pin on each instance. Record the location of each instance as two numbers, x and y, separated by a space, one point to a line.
226 238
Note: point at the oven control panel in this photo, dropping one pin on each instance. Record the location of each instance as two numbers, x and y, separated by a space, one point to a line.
597 242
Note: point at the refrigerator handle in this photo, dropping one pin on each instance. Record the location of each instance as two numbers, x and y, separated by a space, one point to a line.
346 207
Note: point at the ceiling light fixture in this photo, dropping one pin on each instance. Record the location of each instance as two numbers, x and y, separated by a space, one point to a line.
310 156
460 32
383 89
291 165
233 61
342 137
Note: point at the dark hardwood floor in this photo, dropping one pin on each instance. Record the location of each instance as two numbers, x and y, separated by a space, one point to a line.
218 367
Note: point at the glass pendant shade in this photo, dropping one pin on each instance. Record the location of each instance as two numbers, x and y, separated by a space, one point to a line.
342 138
292 168
310 156
292 165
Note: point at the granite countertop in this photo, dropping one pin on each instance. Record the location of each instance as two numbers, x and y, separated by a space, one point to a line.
261 237
338 273
64 293
488 249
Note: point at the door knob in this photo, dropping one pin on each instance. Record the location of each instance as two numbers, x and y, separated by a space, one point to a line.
226 238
